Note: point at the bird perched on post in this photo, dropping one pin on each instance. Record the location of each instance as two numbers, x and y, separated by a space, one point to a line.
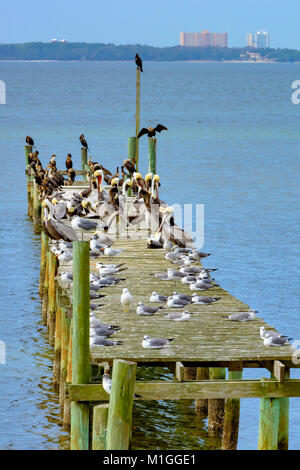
130 166
52 163
151 132
69 163
138 62
29 140
83 141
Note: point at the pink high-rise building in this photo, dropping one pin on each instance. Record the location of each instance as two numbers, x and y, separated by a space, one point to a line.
204 39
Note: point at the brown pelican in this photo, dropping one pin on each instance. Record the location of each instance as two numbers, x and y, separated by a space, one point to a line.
54 229
150 131
130 166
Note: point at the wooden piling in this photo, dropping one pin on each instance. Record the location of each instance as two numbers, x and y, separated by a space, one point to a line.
216 406
45 289
152 155
83 161
36 208
120 405
80 342
28 150
232 417
67 402
64 344
137 114
44 248
51 297
283 426
57 346
100 415
268 423
201 405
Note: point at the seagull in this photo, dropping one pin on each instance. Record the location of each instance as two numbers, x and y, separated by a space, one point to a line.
83 225
178 296
106 383
107 270
65 256
94 296
126 299
265 333
182 316
111 251
242 316
197 299
271 340
176 303
201 285
146 310
162 276
67 277
99 341
175 275
155 343
155 297
98 331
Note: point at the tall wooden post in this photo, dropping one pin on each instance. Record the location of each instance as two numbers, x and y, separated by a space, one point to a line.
44 248
36 208
80 342
283 427
45 289
268 423
232 417
51 296
216 406
120 405
28 150
100 415
57 346
201 405
152 155
137 114
83 161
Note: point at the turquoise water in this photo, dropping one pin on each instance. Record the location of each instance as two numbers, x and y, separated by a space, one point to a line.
233 144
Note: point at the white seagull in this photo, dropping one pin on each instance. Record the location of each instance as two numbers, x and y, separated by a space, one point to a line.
155 343
126 299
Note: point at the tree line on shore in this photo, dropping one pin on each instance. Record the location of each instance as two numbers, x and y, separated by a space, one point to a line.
89 51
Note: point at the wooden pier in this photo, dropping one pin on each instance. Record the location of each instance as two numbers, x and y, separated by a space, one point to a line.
206 350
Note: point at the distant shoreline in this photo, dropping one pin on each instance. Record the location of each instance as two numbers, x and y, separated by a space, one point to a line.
157 61
80 51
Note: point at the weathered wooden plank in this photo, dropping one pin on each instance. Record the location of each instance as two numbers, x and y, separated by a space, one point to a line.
195 389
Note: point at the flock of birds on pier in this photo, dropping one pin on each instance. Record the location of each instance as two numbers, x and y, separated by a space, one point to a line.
97 210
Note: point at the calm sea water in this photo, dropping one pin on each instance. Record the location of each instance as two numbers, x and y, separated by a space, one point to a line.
233 144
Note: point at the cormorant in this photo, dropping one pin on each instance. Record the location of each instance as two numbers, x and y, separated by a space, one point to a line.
151 131
138 62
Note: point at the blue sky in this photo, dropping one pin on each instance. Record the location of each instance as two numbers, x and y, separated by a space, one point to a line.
157 22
